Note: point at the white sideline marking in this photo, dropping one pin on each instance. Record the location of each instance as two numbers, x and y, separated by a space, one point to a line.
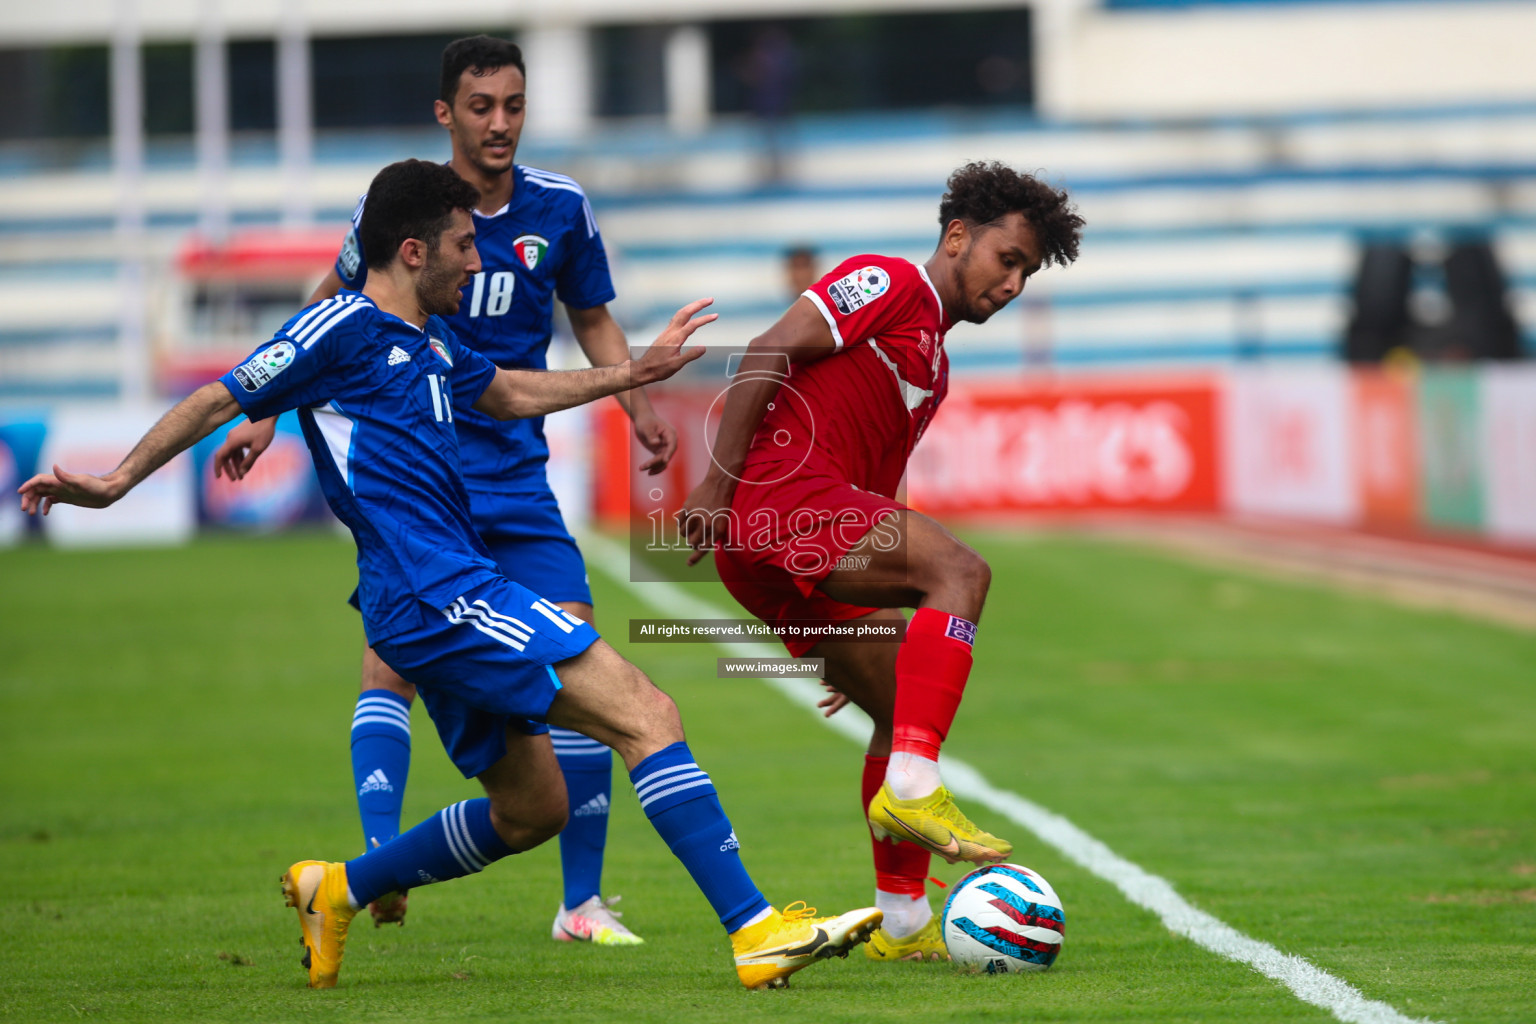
1310 984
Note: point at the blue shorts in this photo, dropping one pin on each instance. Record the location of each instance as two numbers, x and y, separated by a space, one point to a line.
485 663
528 539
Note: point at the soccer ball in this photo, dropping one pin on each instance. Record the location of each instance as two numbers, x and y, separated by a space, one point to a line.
1003 918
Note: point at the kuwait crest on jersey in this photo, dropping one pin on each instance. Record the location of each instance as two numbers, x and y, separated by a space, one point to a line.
530 249
437 345
858 289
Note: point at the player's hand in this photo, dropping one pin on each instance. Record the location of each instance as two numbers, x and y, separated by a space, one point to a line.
666 355
705 515
242 447
46 490
659 438
834 701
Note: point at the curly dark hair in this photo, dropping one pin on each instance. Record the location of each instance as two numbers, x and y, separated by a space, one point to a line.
481 55
983 192
410 199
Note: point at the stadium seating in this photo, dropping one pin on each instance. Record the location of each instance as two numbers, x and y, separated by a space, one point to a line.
1208 242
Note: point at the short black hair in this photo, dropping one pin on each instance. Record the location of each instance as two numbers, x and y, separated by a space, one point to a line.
482 55
410 199
983 192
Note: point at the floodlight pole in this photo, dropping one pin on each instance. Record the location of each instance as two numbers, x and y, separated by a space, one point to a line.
295 118
687 79
563 51
1057 30
212 99
128 170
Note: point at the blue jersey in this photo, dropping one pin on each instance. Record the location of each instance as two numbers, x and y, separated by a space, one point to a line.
544 243
377 398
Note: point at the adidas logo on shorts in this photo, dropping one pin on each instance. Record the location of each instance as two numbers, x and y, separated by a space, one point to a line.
730 842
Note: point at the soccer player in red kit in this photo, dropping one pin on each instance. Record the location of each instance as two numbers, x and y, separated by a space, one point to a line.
799 507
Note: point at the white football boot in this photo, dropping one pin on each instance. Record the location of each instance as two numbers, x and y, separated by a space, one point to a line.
594 921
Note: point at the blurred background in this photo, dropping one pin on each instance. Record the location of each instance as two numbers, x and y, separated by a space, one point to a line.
1306 290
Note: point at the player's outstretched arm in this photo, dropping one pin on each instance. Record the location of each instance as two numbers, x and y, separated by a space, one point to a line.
245 443
801 335
192 419
603 341
517 394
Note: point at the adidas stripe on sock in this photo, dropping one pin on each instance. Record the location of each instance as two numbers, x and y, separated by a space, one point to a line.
381 762
456 841
588 769
680 801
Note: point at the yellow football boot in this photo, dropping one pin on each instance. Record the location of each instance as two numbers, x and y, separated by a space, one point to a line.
768 952
924 945
318 891
936 824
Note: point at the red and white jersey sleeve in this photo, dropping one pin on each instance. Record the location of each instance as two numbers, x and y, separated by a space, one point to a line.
866 294
865 405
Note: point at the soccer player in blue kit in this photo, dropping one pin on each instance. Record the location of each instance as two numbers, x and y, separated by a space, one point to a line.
377 377
537 240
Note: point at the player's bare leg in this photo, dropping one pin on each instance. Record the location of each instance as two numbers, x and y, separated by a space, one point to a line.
605 697
379 676
527 792
946 581
865 672
929 568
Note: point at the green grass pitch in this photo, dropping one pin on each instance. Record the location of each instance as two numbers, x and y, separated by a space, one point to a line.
1348 781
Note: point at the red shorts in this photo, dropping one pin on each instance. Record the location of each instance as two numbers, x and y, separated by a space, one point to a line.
786 537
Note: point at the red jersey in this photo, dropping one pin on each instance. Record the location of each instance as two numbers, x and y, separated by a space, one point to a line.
857 414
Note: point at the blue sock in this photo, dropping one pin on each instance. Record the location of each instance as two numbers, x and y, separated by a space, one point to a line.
458 840
381 761
678 797
588 769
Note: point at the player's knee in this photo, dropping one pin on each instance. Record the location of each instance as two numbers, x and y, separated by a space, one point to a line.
550 820
960 579
966 571
632 715
532 820
978 573
650 718
659 715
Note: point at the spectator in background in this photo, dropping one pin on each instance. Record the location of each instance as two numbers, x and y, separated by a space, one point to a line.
800 269
770 71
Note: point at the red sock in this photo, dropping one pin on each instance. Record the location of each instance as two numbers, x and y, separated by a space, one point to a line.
899 867
931 670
